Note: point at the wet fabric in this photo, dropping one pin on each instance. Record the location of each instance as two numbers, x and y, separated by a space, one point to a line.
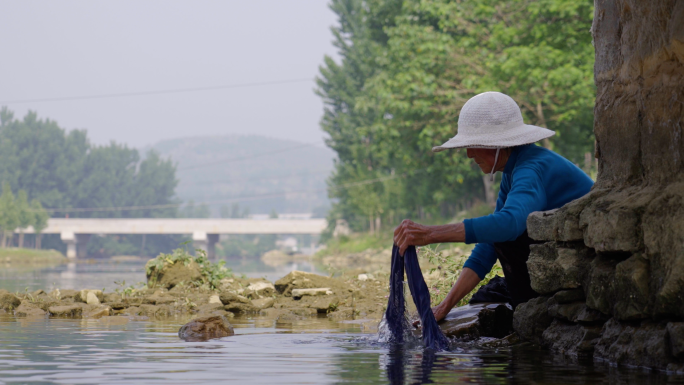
395 316
495 290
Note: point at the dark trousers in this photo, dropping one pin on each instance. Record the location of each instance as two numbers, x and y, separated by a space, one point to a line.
513 257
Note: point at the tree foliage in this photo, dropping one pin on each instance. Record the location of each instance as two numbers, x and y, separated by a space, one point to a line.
56 169
64 170
407 68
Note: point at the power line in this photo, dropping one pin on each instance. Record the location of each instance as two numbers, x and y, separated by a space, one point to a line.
240 198
157 92
210 182
257 155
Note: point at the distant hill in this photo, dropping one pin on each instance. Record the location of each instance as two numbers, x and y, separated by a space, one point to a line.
259 173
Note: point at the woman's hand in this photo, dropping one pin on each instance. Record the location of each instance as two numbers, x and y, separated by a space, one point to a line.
410 233
439 312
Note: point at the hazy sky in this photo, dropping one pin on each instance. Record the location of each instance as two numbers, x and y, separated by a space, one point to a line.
74 48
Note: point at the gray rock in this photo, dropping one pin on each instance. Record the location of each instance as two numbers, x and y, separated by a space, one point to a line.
612 221
228 296
172 275
637 345
571 339
567 296
554 268
675 332
545 274
260 289
567 311
27 309
479 320
631 289
263 303
82 296
531 318
9 301
239 307
576 312
575 266
68 311
568 227
541 225
600 283
301 280
325 304
299 293
206 328
663 229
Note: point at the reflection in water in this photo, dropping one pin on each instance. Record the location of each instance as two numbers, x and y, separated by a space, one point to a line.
309 351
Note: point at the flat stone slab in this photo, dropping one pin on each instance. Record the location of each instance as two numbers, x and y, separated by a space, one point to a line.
479 320
299 293
71 311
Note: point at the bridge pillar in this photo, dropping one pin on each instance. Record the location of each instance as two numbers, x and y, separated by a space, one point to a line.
81 245
212 239
69 238
199 240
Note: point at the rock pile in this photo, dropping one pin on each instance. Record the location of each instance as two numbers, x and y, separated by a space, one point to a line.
603 299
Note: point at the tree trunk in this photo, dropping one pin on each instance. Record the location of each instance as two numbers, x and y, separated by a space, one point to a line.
38 239
378 223
3 244
21 238
632 221
490 199
371 224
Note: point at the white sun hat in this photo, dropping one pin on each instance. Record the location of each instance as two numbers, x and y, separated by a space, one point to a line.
493 120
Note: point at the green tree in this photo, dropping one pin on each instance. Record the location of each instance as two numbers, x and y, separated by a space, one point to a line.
24 214
404 75
40 219
9 215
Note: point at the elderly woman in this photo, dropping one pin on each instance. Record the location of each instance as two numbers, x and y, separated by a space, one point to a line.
491 128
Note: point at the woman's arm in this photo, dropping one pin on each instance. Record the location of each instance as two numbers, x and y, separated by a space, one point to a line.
410 233
465 283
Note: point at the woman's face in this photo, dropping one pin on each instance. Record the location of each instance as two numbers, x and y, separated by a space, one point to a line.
484 157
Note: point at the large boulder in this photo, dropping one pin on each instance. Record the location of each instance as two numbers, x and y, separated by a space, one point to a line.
644 344
171 275
571 339
206 328
29 310
91 297
631 289
599 285
9 301
67 311
531 318
553 268
302 280
478 320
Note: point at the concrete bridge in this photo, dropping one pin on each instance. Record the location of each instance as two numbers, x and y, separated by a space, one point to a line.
75 232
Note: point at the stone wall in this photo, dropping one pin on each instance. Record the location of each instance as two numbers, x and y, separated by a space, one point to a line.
611 265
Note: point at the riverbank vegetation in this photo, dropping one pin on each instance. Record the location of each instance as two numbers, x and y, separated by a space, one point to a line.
18 256
405 70
71 177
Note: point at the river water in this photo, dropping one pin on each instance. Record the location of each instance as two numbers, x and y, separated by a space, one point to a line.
118 350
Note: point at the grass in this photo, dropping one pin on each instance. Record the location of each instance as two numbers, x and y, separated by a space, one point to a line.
357 243
449 264
15 255
212 273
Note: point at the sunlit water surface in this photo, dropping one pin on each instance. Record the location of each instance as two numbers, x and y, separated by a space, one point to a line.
118 350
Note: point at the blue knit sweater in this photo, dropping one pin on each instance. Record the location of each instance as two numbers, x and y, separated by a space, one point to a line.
534 179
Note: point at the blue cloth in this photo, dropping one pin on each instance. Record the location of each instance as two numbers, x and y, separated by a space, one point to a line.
395 315
534 179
